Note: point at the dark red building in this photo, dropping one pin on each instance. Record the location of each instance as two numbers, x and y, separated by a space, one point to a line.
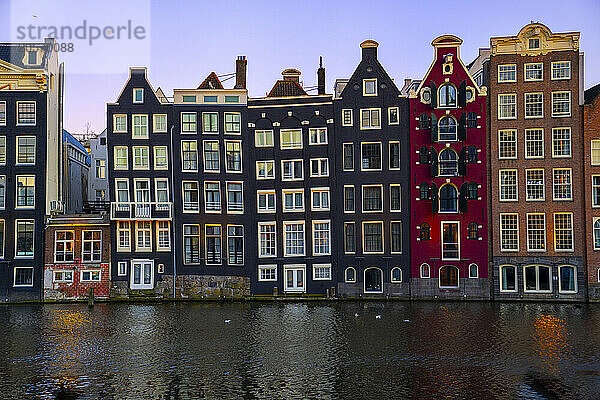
449 182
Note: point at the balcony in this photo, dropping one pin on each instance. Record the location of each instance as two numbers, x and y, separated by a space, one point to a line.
141 211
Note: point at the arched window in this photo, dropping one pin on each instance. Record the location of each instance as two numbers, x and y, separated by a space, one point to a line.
448 198
472 154
425 231
473 188
396 276
567 281
508 278
447 129
424 191
373 280
473 271
424 270
350 274
448 163
424 121
473 231
447 96
471 120
448 276
597 234
423 155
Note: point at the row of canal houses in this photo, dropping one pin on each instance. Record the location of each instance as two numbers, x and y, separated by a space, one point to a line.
478 181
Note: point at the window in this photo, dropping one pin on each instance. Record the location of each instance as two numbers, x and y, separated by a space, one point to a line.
395 197
372 200
188 122
595 156
143 234
472 191
534 143
267 273
538 278
472 120
294 238
122 268
90 275
24 238
123 236
25 191
319 167
563 232
449 276
473 231
507 106
534 105
561 70
534 184
393 116
373 237
233 156
191 243
92 246
189 155
140 126
350 275
211 155
534 72
2 191
266 239
163 235
534 43
210 122
472 154
424 231
266 201
561 142
232 99
191 202
396 275
317 135
161 159
424 191
448 199
320 199
213 244
447 96
138 95
508 278
212 197
263 138
424 270
62 276
597 234
396 236
595 190
350 238
235 244
265 169
141 158
507 144
64 244
159 123
210 99
369 87
567 282
26 150
561 104
189 99
447 129
394 155
450 241
293 200
448 164
121 158
347 118
562 184
321 238
507 73
2 113
232 122
348 156
23 277
235 201
119 123
2 238
292 170
424 155
509 232
290 139
536 232
2 150
371 156
508 185
370 118
26 113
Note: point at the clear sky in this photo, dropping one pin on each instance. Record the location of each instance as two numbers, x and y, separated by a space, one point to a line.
185 40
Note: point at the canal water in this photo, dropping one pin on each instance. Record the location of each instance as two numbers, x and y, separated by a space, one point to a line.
345 350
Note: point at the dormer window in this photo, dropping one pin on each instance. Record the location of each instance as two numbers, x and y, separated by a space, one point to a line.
32 57
369 87
138 95
534 43
447 97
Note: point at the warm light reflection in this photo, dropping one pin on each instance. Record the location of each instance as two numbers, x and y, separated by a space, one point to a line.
551 338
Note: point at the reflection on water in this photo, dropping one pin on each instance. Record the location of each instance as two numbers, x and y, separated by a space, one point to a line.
300 351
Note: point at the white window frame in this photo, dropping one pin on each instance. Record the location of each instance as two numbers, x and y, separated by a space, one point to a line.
421 270
382 237
595 145
320 190
293 192
138 230
115 124
561 129
156 157
236 209
562 115
380 157
364 87
156 129
347 110
127 233
291 145
560 289
141 285
346 275
570 185
122 268
528 96
228 132
527 154
572 233
318 136
543 229
118 167
442 223
323 267
501 280
514 70
160 229
516 185
293 162
314 237
212 131
265 163
512 143
26 177
265 133
64 243
503 232
555 63
27 222
15 276
63 272
267 267
3 112
371 125
134 99
18 139
527 185
141 158
506 95
392 280
295 267
142 117
593 186
34 113
204 159
91 272
91 241
267 193
526 79
206 210
537 278
319 172
274 233
362 197
303 224
392 185
397 114
189 122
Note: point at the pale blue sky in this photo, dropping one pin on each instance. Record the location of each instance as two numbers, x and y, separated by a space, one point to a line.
189 39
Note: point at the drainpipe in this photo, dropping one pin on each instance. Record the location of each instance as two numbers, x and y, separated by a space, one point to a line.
173 211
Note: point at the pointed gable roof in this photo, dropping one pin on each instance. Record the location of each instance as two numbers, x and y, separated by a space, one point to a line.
211 82
285 88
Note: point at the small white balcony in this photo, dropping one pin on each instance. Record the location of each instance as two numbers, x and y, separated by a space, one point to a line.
141 211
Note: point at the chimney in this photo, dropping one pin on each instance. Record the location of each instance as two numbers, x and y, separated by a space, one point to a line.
321 77
369 49
240 72
291 74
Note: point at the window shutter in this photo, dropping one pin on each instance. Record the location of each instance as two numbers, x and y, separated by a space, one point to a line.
462 198
434 198
433 160
462 162
462 94
433 95
462 127
434 128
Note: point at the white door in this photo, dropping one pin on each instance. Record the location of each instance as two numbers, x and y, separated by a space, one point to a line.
142 274
142 198
295 278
